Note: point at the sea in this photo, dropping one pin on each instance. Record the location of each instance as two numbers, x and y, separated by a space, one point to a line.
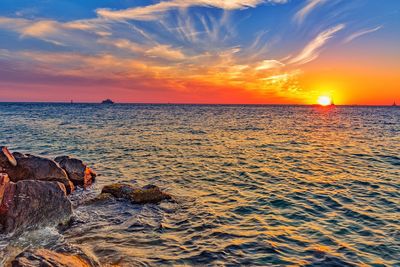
255 185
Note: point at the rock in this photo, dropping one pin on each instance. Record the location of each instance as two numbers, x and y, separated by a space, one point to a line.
29 167
78 172
68 249
6 157
144 195
4 181
32 204
47 258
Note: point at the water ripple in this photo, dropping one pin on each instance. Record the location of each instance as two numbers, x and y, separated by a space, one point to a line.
255 185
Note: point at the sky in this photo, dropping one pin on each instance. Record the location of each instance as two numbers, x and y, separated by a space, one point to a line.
200 51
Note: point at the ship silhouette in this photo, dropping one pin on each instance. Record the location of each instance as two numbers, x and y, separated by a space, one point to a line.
107 101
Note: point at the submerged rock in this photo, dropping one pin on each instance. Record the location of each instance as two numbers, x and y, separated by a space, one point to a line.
102 198
144 195
28 167
78 172
31 204
47 258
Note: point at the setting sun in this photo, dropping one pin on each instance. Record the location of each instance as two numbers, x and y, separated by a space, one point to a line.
324 101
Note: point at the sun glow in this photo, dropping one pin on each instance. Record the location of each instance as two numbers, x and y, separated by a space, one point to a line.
324 101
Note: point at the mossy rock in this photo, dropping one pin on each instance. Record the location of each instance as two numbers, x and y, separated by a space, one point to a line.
148 194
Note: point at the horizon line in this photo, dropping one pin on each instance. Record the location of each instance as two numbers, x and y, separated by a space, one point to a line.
188 103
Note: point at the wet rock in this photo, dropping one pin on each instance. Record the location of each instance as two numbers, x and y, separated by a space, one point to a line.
4 181
68 249
6 157
32 204
144 195
78 172
47 258
28 167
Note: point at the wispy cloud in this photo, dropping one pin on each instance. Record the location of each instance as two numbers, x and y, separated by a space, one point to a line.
269 64
361 33
51 31
166 52
43 29
312 49
122 44
152 12
307 9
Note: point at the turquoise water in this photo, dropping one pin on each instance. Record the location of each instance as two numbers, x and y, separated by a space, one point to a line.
256 185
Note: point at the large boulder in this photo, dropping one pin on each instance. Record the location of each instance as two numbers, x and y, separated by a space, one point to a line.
47 258
31 204
78 172
144 195
28 167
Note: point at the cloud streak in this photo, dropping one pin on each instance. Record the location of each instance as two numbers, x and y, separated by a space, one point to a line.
269 64
152 12
301 15
311 50
62 34
361 33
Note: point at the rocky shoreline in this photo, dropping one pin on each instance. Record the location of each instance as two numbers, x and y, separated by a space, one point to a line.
34 193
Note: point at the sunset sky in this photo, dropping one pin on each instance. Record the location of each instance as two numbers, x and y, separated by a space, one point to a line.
200 51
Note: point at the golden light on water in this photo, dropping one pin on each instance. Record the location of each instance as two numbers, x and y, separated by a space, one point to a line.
324 101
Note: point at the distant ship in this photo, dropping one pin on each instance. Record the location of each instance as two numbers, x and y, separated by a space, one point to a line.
107 101
394 104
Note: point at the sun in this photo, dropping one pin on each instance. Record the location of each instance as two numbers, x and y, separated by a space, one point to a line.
324 101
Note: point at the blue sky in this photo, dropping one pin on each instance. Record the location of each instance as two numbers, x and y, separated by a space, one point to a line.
187 50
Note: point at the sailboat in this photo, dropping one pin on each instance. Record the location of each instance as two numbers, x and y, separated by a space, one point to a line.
394 104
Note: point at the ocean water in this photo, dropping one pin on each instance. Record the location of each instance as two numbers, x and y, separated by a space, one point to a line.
255 185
